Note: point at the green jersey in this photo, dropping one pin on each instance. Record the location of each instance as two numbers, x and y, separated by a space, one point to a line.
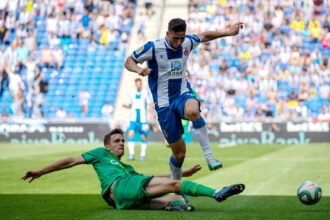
107 166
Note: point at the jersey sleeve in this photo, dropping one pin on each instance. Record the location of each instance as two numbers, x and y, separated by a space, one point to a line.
195 40
91 156
143 53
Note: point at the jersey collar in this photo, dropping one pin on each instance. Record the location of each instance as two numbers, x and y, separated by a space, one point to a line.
169 46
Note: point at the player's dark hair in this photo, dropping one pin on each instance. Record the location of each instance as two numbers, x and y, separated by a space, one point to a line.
177 25
107 137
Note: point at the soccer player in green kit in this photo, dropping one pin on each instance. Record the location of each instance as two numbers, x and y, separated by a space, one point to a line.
124 188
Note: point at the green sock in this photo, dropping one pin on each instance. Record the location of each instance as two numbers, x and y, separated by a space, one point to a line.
194 189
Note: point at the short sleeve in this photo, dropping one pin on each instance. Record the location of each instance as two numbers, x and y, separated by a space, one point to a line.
143 53
195 40
92 156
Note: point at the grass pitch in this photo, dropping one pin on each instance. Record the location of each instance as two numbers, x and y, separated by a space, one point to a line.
272 174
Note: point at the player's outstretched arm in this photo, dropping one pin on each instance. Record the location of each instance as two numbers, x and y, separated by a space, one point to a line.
58 165
191 171
132 66
230 30
187 172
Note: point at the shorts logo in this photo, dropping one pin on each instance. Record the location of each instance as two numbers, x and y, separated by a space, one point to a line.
139 50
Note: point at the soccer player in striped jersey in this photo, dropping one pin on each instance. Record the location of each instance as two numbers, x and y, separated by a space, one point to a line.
166 67
139 105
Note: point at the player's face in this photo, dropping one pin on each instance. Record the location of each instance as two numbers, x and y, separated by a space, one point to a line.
117 145
175 38
138 85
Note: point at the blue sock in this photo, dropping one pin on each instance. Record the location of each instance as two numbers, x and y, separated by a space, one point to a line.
199 123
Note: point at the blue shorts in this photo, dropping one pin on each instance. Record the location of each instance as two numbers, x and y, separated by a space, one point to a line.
139 128
170 117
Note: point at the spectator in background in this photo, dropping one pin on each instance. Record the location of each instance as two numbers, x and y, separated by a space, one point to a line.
61 114
107 111
84 98
141 26
58 55
301 110
30 41
47 58
16 87
148 6
325 114
3 32
3 74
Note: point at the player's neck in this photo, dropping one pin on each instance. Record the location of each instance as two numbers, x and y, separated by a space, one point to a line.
169 45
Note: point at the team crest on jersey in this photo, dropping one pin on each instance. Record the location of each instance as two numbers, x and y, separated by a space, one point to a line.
113 162
186 51
139 50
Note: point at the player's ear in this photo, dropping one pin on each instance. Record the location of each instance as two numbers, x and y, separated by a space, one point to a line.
107 146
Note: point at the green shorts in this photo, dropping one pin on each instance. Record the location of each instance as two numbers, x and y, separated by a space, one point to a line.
129 192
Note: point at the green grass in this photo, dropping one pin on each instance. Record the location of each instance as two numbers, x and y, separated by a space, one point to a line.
272 174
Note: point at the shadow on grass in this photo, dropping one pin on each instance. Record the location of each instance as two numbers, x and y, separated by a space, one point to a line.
73 206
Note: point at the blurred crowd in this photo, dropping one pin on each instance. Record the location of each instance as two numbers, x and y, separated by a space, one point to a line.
276 68
36 34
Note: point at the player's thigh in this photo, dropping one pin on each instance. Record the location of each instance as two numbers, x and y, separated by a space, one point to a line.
131 129
159 186
191 109
144 130
129 191
170 123
187 104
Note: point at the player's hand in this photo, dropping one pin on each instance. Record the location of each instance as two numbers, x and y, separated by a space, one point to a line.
191 171
33 174
144 71
235 28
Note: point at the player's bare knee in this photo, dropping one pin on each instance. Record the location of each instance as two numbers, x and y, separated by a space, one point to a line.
175 185
193 114
180 155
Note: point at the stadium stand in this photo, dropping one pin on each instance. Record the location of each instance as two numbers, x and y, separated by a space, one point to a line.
75 45
277 65
277 68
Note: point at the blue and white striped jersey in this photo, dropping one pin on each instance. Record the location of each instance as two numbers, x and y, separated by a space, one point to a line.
168 77
139 102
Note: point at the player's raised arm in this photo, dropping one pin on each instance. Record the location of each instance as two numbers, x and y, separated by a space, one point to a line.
230 30
58 165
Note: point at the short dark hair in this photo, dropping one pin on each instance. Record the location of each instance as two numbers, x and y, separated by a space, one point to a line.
177 25
107 137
